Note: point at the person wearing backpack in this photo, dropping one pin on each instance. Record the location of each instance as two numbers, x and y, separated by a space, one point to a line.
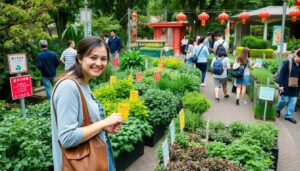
245 62
202 53
220 44
189 52
219 65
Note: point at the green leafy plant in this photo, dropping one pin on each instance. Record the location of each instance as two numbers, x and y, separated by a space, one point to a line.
216 149
131 59
292 43
220 136
261 75
182 140
172 63
104 77
187 69
162 106
132 131
25 143
123 88
192 121
255 43
195 102
237 129
2 109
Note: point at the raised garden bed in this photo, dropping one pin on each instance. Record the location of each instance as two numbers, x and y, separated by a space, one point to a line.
158 133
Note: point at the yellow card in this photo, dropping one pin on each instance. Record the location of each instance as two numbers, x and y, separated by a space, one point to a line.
123 110
113 80
134 95
181 118
130 78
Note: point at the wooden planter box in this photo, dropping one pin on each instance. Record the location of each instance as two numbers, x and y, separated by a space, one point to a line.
158 133
127 158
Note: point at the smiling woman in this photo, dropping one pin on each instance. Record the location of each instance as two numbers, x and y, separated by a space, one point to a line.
79 129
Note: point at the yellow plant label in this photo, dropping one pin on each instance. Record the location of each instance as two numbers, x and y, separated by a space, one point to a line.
123 110
181 118
134 95
130 78
113 80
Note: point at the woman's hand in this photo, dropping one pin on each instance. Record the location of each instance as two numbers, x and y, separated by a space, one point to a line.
113 123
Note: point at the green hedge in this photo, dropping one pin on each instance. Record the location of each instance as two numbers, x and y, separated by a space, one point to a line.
255 43
257 53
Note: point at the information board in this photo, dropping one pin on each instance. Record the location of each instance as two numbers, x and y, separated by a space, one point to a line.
172 131
266 93
165 148
17 63
20 86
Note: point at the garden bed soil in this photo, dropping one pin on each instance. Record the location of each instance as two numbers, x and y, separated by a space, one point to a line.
127 158
158 133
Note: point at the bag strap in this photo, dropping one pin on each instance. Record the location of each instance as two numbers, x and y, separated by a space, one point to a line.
200 51
290 67
86 115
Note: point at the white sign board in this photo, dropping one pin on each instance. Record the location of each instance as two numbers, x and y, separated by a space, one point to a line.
165 148
172 131
266 93
17 63
85 15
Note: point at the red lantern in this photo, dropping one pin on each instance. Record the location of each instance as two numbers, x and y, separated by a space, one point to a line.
222 17
181 17
264 15
244 16
294 14
297 2
203 17
133 16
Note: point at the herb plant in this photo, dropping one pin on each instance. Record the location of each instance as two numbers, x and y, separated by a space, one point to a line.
195 102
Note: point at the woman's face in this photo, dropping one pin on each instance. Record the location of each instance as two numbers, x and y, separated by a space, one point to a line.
95 63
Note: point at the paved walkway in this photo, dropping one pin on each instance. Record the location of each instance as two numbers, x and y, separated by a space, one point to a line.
227 112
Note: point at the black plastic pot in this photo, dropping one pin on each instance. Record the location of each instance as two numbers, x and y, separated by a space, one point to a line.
158 133
127 158
275 154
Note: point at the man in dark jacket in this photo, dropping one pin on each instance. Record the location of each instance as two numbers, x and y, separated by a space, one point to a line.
47 62
114 43
288 95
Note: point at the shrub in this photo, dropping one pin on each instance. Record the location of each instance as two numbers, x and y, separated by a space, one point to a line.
172 63
261 75
25 143
182 140
132 131
255 43
292 43
220 136
216 149
132 59
195 102
192 121
2 109
105 92
187 69
271 65
237 129
162 106
257 53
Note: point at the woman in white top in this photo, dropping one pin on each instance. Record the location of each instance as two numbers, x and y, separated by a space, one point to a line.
189 52
184 43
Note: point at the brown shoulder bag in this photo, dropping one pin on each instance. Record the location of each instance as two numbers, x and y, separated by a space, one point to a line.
293 81
87 156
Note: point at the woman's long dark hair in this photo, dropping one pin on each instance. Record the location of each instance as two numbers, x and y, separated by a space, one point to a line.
85 47
244 56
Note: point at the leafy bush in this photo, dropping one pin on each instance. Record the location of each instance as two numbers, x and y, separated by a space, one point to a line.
104 77
187 69
2 108
162 106
251 156
263 135
195 102
216 149
192 121
131 59
132 131
237 129
25 144
255 43
259 108
261 75
271 65
172 63
220 136
182 140
123 88
217 126
292 44
258 53
141 87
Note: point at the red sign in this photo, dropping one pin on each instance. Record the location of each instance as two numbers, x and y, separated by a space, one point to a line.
20 86
139 77
156 75
297 2
116 62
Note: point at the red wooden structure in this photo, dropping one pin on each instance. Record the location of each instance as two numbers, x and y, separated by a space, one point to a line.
178 32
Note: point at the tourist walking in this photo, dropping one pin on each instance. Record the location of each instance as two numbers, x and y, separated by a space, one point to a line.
68 56
189 52
289 77
115 44
220 43
244 62
78 119
208 42
202 54
47 62
184 43
219 65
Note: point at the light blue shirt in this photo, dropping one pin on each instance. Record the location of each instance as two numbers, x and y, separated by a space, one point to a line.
204 54
68 105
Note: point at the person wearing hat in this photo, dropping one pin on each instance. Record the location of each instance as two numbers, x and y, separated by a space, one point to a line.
47 62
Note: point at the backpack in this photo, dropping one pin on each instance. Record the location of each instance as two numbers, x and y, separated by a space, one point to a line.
218 67
221 50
